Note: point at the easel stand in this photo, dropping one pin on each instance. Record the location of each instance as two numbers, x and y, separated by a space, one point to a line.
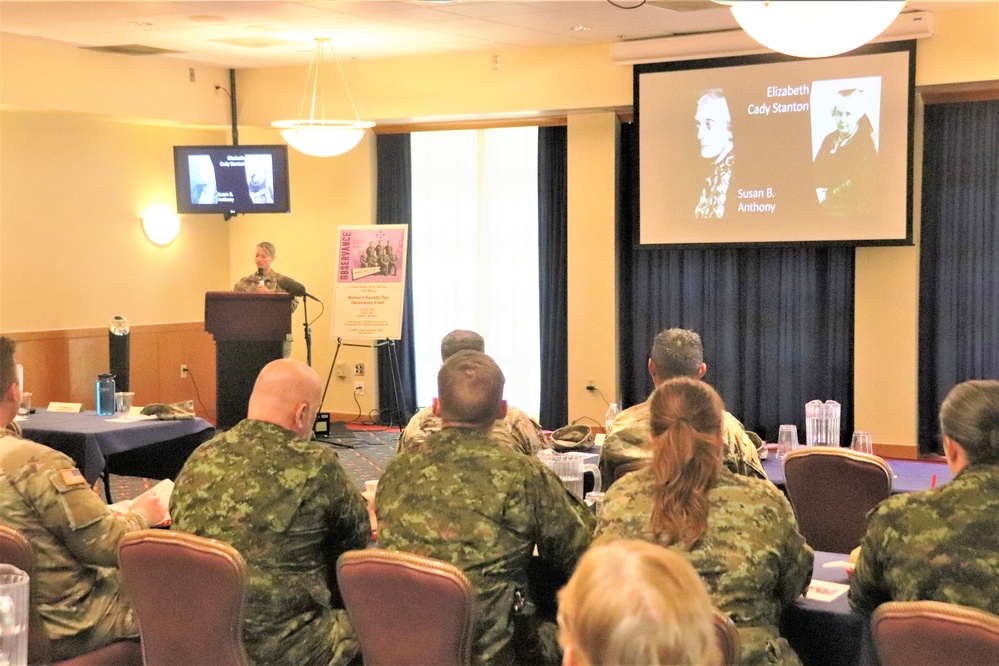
399 409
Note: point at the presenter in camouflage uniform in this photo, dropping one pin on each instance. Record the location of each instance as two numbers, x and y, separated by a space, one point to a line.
288 507
516 430
942 544
484 508
739 533
75 586
268 284
676 352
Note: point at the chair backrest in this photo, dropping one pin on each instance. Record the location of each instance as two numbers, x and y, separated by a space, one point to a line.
832 490
728 639
407 609
188 593
931 633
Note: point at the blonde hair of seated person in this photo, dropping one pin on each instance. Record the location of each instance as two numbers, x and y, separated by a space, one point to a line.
632 602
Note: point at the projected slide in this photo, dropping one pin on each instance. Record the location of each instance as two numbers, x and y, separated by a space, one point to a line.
775 152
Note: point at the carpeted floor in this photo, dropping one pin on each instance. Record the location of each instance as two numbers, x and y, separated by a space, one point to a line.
371 448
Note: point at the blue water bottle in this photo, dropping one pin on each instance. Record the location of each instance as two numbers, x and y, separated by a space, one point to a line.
105 394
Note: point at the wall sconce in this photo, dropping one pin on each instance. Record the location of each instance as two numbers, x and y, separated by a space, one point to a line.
161 225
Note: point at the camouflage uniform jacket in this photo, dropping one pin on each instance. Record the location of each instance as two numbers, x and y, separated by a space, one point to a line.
517 431
74 537
461 499
288 507
252 281
630 431
940 544
752 558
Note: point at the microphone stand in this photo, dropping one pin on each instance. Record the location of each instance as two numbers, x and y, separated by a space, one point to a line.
308 330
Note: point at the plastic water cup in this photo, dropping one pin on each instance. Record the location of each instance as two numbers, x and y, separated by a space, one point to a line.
787 440
862 442
123 401
13 615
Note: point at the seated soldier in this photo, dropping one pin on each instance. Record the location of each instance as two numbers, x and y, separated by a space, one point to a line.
516 430
942 544
484 508
676 352
75 585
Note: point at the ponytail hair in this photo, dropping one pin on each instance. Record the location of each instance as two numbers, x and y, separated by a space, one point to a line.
970 416
686 442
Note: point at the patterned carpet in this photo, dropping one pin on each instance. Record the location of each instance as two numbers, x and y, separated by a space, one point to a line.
372 447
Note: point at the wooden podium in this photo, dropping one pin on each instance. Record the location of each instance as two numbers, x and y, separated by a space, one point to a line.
249 330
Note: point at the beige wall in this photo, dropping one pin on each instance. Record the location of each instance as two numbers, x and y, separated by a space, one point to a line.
53 228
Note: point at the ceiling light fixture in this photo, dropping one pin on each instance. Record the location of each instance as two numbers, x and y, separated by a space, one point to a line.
317 136
808 29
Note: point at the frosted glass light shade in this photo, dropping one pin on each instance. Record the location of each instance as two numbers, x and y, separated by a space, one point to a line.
161 225
324 138
815 29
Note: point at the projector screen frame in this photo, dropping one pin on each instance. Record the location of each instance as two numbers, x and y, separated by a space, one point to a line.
895 238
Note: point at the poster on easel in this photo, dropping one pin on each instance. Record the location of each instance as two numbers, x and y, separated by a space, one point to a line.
370 282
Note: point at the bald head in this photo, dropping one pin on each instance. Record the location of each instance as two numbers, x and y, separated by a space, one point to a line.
287 393
460 340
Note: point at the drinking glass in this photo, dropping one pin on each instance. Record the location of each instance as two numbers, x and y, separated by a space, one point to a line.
862 442
787 440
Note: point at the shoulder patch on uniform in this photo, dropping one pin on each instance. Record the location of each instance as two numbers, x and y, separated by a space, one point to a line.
72 477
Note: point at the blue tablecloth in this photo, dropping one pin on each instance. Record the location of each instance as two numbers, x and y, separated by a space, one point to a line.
91 439
911 475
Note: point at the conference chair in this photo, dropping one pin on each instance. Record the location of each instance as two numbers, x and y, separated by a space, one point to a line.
832 490
16 551
407 609
188 593
728 639
933 633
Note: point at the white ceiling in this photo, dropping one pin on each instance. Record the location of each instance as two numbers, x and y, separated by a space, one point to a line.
239 34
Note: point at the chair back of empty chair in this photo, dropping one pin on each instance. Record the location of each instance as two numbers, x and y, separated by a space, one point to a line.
728 639
932 633
188 593
407 609
832 490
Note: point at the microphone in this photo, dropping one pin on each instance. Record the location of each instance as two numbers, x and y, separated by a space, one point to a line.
260 275
294 287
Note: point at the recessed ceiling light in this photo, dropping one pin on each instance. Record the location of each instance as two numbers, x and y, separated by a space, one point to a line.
580 28
139 23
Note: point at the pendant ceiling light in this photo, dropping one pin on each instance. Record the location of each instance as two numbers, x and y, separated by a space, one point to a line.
814 29
318 136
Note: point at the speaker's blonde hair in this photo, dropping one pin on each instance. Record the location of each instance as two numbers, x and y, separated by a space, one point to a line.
632 602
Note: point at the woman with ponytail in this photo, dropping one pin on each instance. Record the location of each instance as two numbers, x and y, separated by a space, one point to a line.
942 544
738 533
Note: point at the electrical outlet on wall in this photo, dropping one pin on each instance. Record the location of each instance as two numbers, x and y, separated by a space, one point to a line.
359 388
358 369
183 370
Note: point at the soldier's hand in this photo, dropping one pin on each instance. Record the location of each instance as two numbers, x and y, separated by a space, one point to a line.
152 507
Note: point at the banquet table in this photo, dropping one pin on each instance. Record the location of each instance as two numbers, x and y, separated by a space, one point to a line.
910 475
828 633
101 444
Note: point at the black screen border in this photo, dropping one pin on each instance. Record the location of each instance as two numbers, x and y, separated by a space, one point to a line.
908 46
282 185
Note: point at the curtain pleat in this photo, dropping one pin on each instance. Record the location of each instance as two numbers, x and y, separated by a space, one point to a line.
552 276
776 323
959 255
394 206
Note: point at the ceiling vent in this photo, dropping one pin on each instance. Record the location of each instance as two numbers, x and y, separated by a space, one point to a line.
129 49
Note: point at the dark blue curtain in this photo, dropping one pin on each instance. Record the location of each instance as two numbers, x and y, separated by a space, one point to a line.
552 221
959 255
776 323
397 394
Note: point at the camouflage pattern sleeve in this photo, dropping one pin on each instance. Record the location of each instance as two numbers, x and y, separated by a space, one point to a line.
940 544
564 523
527 434
625 442
740 452
422 424
248 283
797 556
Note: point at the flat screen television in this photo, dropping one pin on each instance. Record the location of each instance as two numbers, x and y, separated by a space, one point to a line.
774 150
232 179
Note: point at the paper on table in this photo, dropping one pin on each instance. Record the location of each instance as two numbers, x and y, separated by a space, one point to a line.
839 564
129 418
820 590
163 489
